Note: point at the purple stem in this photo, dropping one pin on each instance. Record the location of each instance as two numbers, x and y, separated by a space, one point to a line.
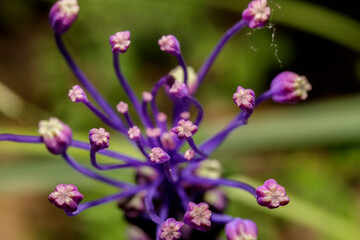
221 181
86 205
83 79
20 138
112 166
128 119
210 60
149 202
263 97
120 127
182 63
169 173
221 218
182 195
194 147
198 107
109 153
92 174
145 113
154 92
129 92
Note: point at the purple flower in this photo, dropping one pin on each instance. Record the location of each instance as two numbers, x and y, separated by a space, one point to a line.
179 90
122 107
56 135
271 195
62 15
185 129
153 132
289 87
66 197
99 138
120 42
77 94
169 44
170 229
147 96
243 229
158 155
257 13
189 154
168 140
198 216
244 99
134 133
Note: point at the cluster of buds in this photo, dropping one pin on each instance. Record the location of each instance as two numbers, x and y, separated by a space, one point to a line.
177 193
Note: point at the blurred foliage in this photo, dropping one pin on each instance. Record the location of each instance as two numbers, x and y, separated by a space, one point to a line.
313 149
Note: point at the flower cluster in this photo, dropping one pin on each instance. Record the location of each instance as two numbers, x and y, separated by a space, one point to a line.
177 193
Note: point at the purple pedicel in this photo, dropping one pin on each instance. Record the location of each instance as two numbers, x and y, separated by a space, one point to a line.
77 94
122 107
99 139
120 42
62 15
170 230
243 229
185 129
66 197
289 87
56 135
158 155
198 216
169 44
244 99
271 195
256 14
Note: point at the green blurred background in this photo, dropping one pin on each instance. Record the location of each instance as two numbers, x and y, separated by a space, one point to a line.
312 148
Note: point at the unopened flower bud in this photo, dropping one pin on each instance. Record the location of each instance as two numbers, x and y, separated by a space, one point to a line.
62 14
209 168
134 133
136 233
99 138
169 44
244 99
122 107
168 141
153 132
185 129
66 197
289 87
271 195
185 115
147 96
77 94
56 135
198 216
158 155
189 154
145 175
243 229
120 41
170 229
178 74
179 90
216 198
134 205
256 14
161 117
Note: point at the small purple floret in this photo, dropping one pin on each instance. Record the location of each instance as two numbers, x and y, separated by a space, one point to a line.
66 197
122 107
257 13
168 141
271 195
77 94
185 129
147 96
189 154
56 135
170 229
169 44
289 87
179 90
161 117
153 132
158 155
62 15
243 229
244 99
134 133
198 216
99 138
120 42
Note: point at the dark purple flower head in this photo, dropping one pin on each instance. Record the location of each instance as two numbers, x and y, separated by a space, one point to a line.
257 13
241 229
56 135
184 129
169 44
122 107
62 14
170 229
134 133
198 216
99 139
244 99
158 155
120 42
77 94
179 90
66 197
271 195
289 87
